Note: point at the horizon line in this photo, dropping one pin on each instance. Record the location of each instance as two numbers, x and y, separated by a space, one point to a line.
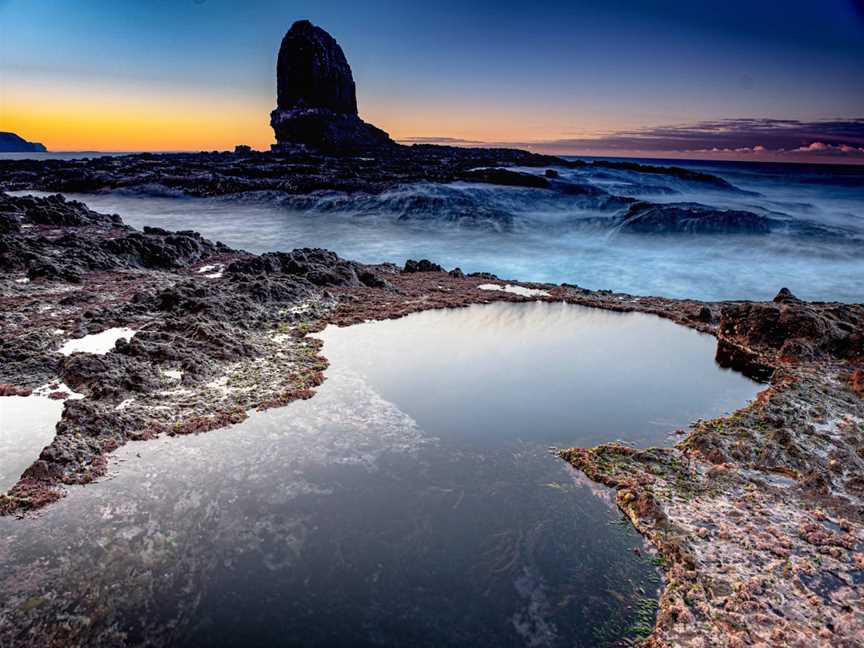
671 156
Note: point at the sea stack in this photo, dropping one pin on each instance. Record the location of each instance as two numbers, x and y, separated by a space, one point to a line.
316 104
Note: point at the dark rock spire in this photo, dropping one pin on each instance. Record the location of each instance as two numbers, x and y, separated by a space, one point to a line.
312 71
316 103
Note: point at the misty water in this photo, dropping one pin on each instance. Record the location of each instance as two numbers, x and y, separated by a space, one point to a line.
413 501
539 235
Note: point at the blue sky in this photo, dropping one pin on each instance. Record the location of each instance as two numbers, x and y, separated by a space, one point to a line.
564 73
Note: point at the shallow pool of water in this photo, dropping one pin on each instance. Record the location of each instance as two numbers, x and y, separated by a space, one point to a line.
26 426
412 501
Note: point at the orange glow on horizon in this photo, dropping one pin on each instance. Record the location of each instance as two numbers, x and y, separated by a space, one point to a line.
122 117
76 118
92 115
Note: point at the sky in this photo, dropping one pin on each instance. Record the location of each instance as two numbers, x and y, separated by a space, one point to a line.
760 80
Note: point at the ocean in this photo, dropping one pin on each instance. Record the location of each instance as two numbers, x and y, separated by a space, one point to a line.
815 246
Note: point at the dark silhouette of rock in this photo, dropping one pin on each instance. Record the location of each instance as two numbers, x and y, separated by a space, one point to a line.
506 178
316 104
12 143
423 265
236 173
312 72
785 295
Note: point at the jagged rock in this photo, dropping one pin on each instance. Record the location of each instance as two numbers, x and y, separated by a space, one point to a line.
316 99
423 265
319 267
506 177
796 329
306 172
65 249
691 218
111 374
52 210
689 175
705 315
785 295
312 71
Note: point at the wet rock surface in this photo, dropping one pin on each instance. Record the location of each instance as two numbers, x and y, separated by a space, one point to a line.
691 218
758 516
203 340
301 173
417 183
422 183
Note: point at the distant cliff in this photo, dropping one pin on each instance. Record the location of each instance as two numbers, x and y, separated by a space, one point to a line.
12 143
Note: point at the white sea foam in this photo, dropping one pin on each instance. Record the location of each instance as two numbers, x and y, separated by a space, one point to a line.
538 235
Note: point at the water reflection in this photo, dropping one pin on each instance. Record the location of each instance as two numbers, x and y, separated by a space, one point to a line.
548 373
413 501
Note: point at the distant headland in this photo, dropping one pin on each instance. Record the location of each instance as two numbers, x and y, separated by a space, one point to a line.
12 143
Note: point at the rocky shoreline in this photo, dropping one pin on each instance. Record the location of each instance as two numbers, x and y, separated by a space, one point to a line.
758 516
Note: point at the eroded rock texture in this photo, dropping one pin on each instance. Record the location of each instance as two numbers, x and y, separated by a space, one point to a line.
759 516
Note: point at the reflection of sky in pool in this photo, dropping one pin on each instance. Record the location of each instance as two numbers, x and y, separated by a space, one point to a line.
413 501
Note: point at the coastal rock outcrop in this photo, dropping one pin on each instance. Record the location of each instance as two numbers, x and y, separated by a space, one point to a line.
793 329
71 240
691 218
316 104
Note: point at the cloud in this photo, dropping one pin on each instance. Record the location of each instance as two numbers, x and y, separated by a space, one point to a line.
455 141
741 149
762 139
829 149
775 138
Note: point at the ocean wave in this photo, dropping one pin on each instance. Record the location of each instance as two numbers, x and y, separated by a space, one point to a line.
519 209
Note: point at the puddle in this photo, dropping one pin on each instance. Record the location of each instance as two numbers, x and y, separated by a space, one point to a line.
26 426
413 501
516 290
98 342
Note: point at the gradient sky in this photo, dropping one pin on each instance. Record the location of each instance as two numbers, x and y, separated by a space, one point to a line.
585 77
